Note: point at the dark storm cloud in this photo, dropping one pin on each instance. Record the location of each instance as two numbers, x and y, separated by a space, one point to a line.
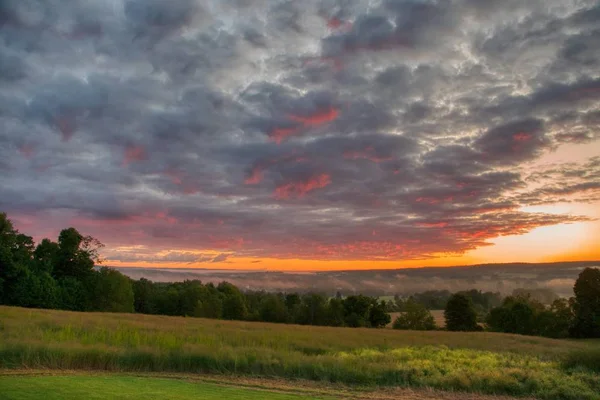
513 142
330 130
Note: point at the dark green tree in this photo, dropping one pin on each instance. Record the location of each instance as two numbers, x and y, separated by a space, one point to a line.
555 321
234 303
46 255
414 317
143 295
378 315
460 314
210 304
586 305
313 309
111 291
356 310
272 309
77 255
335 310
515 315
73 294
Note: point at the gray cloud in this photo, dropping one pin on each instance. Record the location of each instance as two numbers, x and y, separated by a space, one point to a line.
333 130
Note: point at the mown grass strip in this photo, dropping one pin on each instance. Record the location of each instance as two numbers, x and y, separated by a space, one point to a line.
127 388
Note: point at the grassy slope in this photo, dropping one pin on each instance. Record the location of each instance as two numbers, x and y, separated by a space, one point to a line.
126 388
480 362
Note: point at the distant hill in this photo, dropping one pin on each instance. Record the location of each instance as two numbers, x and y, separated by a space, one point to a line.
503 278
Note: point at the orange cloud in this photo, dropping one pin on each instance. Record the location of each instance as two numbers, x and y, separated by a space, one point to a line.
336 23
279 134
301 188
256 176
522 137
318 118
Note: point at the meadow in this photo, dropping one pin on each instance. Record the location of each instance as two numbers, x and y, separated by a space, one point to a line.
485 363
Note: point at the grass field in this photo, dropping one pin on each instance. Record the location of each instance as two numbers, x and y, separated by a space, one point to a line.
74 387
473 362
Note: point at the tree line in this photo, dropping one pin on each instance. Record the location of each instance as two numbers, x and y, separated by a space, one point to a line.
522 313
63 275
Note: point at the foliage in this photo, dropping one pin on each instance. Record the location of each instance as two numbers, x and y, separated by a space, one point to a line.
460 314
586 305
111 291
58 274
438 299
414 317
526 316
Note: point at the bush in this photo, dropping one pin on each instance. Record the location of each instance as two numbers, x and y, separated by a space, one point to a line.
588 359
414 317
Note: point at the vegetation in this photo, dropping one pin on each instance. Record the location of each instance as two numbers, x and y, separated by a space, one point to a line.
73 387
526 316
477 362
438 299
414 317
460 314
586 305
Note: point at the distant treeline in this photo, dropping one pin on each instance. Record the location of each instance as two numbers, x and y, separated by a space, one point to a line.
62 275
226 301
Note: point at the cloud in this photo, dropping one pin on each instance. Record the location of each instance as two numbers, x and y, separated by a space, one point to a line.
332 130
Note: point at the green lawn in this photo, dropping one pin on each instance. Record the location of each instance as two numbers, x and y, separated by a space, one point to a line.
78 387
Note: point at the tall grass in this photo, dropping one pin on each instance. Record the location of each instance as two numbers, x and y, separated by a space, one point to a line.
479 362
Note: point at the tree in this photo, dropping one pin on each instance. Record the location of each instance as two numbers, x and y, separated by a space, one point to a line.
515 315
73 294
356 310
32 289
16 258
46 255
335 312
272 309
77 255
111 291
234 304
586 305
414 317
143 296
378 315
210 304
460 314
313 309
555 321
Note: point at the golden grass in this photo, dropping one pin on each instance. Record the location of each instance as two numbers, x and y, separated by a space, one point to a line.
489 363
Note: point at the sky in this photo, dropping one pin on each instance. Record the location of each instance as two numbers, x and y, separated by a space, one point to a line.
304 135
